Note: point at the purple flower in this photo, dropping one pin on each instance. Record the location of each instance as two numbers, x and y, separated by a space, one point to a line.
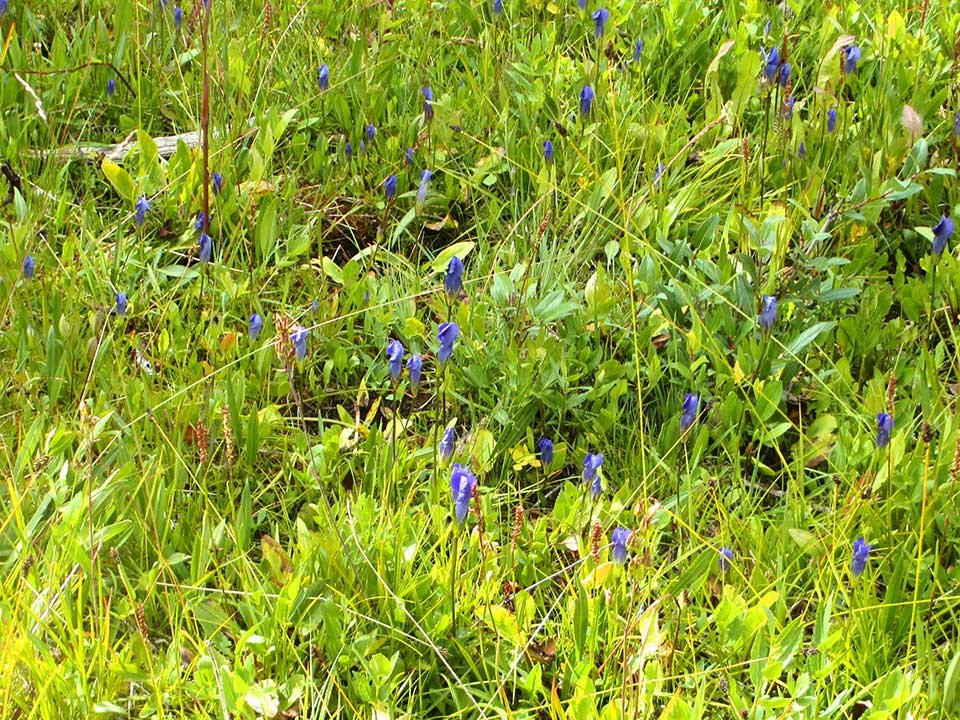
371 132
447 334
462 484
395 358
785 74
323 76
427 103
853 56
141 207
831 119
941 233
111 87
453 280
591 464
177 16
348 150
217 179
689 410
724 558
545 449
861 553
497 7
620 538
121 307
586 100
408 157
255 325
198 223
884 428
771 63
600 18
448 442
658 173
29 267
637 50
205 247
415 368
3 7
390 187
768 313
424 186
582 4
548 151
802 150
299 339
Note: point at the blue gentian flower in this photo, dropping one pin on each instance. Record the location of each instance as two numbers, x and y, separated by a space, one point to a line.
545 448
348 150
371 132
637 50
586 100
408 157
548 151
724 558
448 442
582 4
141 207
771 63
768 313
217 180
424 186
177 16
206 247
831 119
853 56
29 267
427 103
658 174
861 553
3 7
785 74
941 233
314 306
620 538
592 463
600 18
447 334
121 307
299 338
462 484
415 368
255 325
802 150
497 7
453 280
395 358
323 76
390 187
111 87
688 411
884 428
766 29
198 223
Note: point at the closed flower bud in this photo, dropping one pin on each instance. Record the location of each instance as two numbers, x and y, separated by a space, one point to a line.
255 326
861 553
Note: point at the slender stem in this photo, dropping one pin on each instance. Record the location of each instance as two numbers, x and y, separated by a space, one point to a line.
453 579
